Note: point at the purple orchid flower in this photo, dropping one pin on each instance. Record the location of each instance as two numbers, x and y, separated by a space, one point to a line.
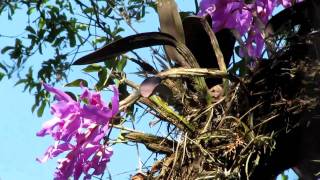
78 128
238 15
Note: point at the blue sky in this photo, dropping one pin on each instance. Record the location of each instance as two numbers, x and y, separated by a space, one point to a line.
19 145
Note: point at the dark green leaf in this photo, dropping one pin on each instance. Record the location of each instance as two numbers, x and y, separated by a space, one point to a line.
2 75
72 39
145 66
5 49
58 41
33 108
70 8
92 68
74 97
41 108
3 67
77 83
103 79
42 22
21 81
127 44
121 64
40 48
88 10
32 37
30 29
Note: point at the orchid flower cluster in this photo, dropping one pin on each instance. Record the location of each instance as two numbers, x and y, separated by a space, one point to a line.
244 16
78 127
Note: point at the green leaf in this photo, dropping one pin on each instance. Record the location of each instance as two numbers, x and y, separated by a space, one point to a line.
5 49
88 10
30 29
21 81
126 44
31 10
32 37
77 83
108 10
74 97
41 108
70 8
2 75
92 68
3 67
100 40
72 39
143 11
40 48
104 79
58 41
42 22
121 64
40 33
33 108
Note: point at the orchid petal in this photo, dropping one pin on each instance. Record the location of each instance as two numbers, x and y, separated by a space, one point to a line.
60 95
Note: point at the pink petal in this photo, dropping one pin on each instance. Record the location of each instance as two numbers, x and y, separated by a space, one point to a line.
54 151
48 126
60 95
